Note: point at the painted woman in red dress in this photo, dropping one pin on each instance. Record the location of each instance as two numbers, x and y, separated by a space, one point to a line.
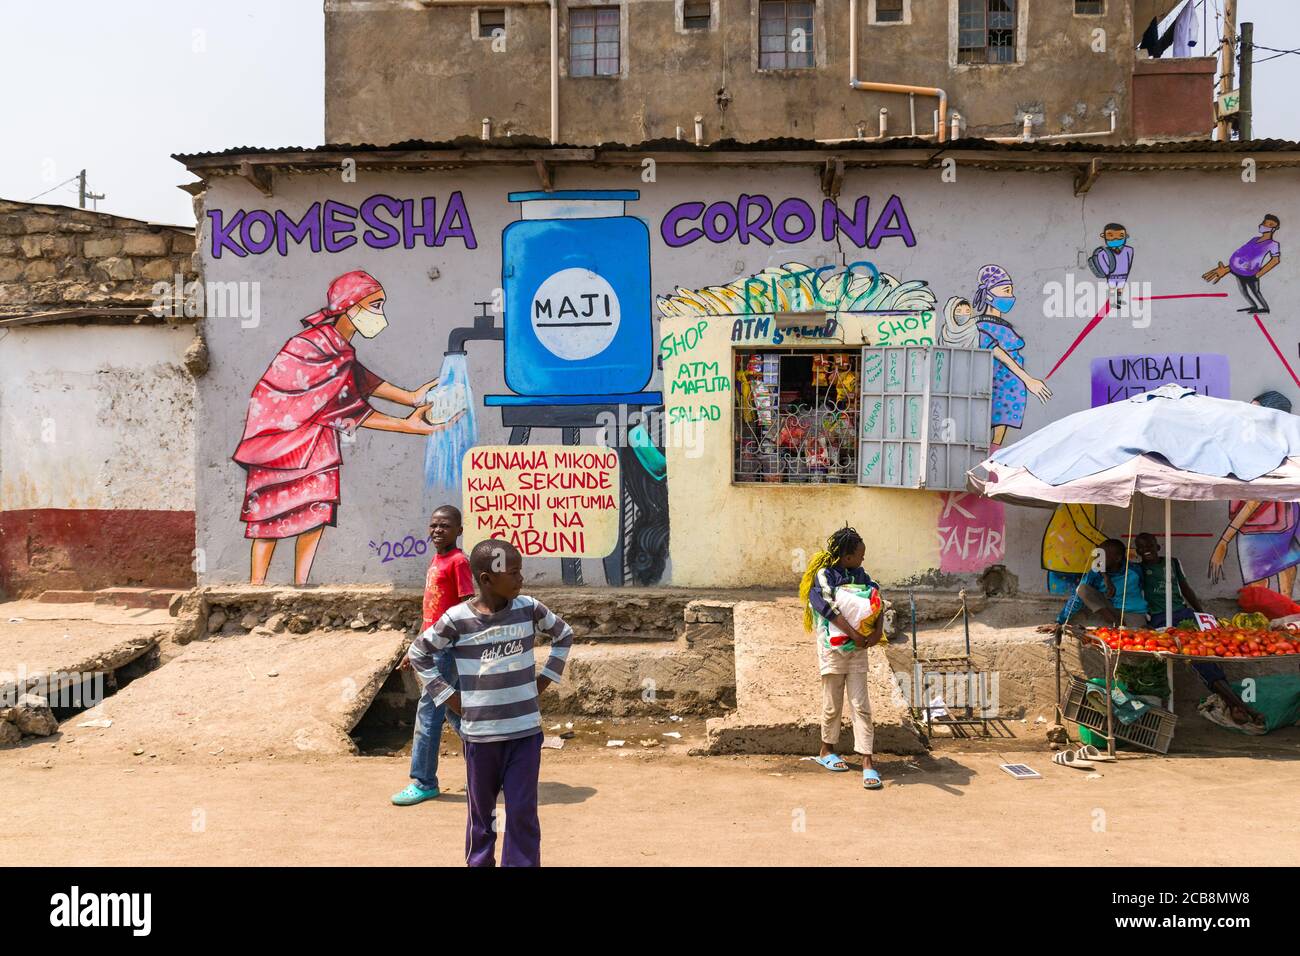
313 390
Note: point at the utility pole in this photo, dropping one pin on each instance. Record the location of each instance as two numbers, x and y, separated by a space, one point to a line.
1227 54
83 194
1247 79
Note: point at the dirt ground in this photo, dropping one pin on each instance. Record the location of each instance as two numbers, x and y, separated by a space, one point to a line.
636 806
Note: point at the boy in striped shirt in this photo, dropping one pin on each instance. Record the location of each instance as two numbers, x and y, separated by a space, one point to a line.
491 637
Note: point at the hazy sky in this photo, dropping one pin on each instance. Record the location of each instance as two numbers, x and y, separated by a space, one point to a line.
117 86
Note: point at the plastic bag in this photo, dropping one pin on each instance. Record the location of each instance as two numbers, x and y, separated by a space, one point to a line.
1270 603
860 605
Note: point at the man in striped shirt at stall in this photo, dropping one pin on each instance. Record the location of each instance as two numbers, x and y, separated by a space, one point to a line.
491 637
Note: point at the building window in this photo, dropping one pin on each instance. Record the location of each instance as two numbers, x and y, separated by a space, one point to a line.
594 41
490 20
796 415
986 31
785 34
696 14
1089 8
888 11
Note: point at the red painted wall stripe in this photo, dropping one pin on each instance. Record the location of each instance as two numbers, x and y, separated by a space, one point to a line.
83 549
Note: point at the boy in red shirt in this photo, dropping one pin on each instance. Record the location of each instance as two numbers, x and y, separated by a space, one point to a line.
448 582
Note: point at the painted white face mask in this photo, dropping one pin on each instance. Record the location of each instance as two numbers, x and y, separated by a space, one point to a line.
369 324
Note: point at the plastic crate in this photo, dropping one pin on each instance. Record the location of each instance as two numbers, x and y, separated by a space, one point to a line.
1154 730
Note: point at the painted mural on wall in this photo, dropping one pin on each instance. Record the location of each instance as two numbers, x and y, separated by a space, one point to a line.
1113 259
579 354
982 322
314 391
546 500
1250 262
575 325
1267 533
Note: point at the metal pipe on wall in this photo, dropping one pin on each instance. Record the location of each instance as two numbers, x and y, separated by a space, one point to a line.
884 132
856 84
1027 134
555 72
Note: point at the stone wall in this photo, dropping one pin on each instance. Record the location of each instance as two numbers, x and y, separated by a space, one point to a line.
55 257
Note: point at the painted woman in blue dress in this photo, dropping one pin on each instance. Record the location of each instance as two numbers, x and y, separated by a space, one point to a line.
994 298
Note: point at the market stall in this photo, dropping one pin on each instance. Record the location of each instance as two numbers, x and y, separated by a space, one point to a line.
1170 444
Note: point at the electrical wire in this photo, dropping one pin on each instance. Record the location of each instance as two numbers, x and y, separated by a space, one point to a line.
52 188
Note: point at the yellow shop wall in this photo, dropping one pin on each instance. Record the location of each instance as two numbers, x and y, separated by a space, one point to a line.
724 534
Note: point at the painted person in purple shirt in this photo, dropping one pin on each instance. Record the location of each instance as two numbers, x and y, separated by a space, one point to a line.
1114 260
1254 259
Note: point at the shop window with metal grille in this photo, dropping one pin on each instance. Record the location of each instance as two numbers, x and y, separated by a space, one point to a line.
1089 8
986 31
785 34
594 41
491 19
696 14
796 415
889 11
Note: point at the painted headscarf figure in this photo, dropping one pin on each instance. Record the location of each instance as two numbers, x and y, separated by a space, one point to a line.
995 296
959 327
314 390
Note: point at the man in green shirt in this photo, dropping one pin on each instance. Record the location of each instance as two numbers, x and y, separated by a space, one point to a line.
1185 602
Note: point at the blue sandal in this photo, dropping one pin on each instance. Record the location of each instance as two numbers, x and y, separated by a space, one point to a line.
833 762
871 780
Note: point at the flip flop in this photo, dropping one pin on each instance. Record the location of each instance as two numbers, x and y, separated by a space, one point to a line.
1089 752
871 780
833 762
1068 758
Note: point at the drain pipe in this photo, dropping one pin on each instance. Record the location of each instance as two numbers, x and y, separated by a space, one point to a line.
884 132
1027 134
856 84
1066 136
555 72
487 128
699 130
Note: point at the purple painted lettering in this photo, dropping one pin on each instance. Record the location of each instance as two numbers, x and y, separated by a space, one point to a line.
746 227
727 212
455 222
892 224
257 246
221 233
834 221
334 226
380 235
683 211
426 227
308 227
793 209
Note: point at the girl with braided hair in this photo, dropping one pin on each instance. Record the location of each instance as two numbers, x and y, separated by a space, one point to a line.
840 563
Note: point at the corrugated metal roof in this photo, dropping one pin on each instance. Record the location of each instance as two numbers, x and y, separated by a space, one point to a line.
778 144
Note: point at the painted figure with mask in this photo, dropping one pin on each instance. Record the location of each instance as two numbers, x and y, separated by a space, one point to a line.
314 390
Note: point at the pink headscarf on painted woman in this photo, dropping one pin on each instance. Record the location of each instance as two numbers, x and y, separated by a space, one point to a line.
345 292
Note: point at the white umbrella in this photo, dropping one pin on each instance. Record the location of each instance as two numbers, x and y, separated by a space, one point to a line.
1107 454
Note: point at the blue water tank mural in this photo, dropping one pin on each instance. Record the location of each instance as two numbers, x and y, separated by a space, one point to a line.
576 274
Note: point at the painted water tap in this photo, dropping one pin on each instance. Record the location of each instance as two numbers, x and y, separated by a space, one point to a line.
483 329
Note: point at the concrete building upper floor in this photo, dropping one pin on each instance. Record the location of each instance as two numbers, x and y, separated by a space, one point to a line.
592 71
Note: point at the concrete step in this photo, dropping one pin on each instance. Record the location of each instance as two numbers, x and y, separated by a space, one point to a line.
778 690
67 597
151 598
156 598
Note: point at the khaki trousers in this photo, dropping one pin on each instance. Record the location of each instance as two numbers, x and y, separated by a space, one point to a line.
834 687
